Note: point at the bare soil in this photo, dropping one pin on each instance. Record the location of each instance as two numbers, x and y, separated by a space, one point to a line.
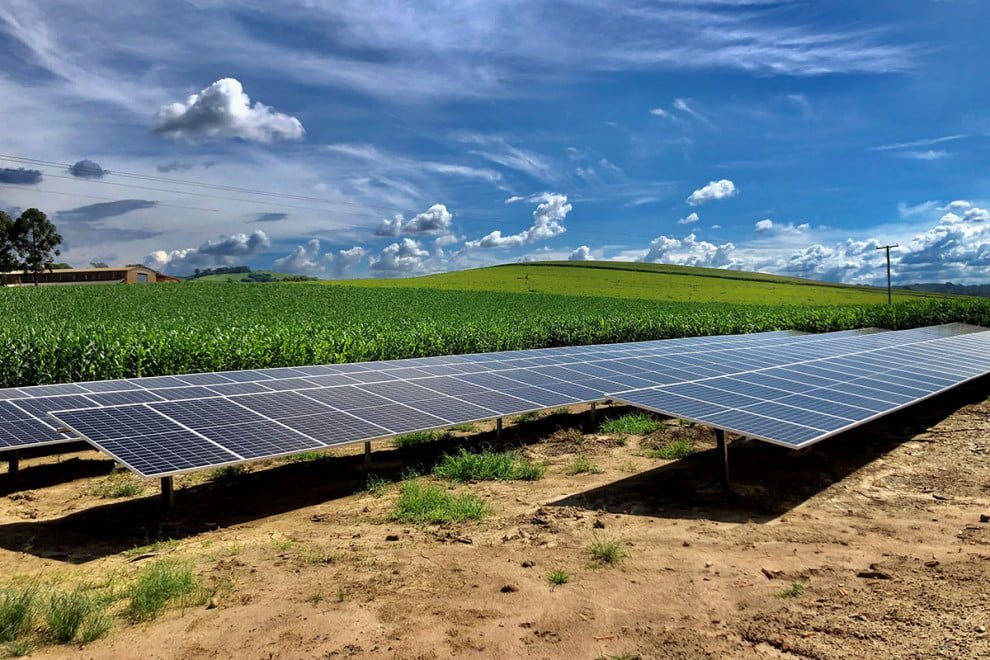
880 528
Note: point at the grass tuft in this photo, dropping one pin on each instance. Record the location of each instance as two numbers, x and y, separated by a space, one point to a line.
167 581
488 466
17 606
376 485
583 465
631 424
530 416
66 613
428 504
793 591
420 437
606 551
558 577
308 456
673 450
19 648
118 484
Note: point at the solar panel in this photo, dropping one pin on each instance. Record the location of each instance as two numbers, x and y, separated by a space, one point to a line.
802 404
596 360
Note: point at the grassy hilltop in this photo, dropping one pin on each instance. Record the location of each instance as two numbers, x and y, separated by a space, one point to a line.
646 282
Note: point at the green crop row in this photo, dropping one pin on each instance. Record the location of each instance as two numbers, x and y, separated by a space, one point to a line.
52 335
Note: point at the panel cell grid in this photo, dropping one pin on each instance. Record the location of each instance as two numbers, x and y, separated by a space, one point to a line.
260 439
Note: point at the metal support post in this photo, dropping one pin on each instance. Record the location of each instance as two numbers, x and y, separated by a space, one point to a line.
367 455
722 451
594 411
498 428
168 494
887 248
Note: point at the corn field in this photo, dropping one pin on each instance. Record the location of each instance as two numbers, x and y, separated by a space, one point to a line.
62 334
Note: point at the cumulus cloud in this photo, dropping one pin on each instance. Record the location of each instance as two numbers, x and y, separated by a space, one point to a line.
20 176
310 260
406 257
689 251
582 253
548 219
763 226
691 218
87 169
224 110
768 226
225 251
721 189
435 221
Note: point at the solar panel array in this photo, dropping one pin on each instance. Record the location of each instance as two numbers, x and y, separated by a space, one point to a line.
24 411
803 403
164 438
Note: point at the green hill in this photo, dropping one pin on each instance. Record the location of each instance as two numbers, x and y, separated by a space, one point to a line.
646 282
252 276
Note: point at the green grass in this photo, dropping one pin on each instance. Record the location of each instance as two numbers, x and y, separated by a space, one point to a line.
157 546
606 551
464 428
631 424
673 450
17 608
581 464
420 437
376 485
19 648
558 577
308 456
488 466
74 333
424 504
530 416
118 484
228 473
793 591
661 282
74 614
163 583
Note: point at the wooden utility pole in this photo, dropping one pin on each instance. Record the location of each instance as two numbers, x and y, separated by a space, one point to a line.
887 248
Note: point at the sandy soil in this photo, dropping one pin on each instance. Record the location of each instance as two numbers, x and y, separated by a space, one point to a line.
881 527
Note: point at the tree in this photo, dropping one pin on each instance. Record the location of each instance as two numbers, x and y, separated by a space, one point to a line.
37 242
8 245
98 264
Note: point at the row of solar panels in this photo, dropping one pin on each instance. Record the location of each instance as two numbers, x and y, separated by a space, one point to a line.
24 411
162 437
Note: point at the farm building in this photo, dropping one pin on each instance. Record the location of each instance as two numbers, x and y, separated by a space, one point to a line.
121 275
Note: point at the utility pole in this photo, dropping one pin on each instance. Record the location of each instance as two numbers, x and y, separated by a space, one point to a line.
887 248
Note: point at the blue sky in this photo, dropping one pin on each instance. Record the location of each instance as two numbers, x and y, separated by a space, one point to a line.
353 139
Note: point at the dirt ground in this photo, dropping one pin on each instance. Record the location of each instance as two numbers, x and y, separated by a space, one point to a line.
880 527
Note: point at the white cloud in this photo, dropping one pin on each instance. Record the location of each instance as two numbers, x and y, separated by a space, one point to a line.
660 112
721 189
307 259
926 142
548 221
514 199
497 150
691 218
683 106
582 253
768 226
226 251
763 226
224 110
435 221
689 251
406 257
927 154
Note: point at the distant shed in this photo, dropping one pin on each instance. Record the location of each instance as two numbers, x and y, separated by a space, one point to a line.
121 275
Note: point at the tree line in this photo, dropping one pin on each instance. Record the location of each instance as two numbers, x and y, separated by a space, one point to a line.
29 243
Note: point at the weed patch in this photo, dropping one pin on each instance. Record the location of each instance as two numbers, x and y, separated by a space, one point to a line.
672 450
606 551
17 606
488 466
583 465
558 577
165 582
631 424
423 504
118 484
420 437
793 591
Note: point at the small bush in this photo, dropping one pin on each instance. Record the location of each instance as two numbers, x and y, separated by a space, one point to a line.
530 416
66 613
227 473
159 584
631 424
793 591
673 450
464 428
420 437
376 485
308 456
583 465
487 466
558 577
428 504
119 484
17 607
606 551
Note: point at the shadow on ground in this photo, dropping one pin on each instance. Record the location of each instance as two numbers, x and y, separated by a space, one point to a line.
767 480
